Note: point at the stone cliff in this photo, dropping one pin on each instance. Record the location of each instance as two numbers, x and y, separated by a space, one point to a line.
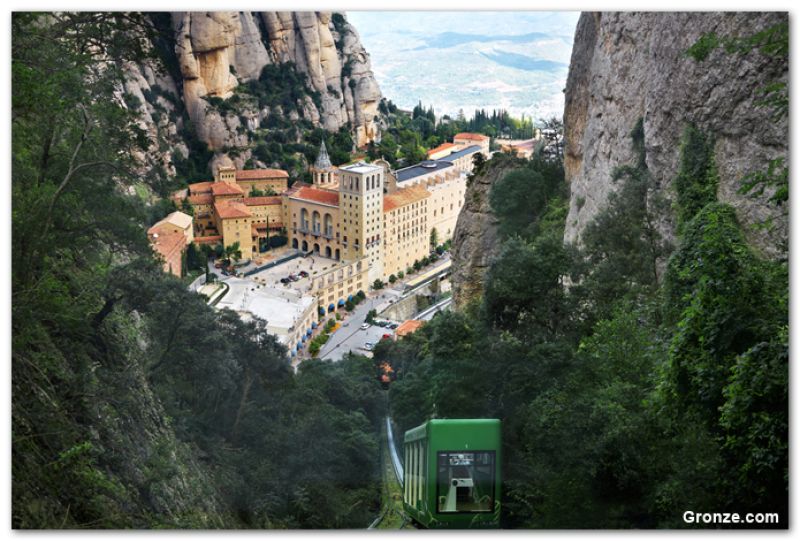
475 239
209 55
627 66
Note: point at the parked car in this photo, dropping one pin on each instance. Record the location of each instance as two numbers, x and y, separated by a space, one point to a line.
393 326
304 274
285 281
386 337
369 346
365 326
293 277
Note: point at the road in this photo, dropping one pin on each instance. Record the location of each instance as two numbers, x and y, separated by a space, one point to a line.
351 337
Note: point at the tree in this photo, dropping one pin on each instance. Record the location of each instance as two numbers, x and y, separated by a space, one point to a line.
525 286
377 284
696 182
232 251
434 240
392 279
622 244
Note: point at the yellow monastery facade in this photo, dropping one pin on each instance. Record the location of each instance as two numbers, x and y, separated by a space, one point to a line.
373 221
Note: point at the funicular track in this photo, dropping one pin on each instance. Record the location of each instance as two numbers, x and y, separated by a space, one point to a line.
392 516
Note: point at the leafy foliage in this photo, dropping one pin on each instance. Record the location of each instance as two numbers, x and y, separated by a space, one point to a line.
134 403
524 198
628 393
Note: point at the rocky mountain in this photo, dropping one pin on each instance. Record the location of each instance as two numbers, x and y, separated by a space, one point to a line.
215 90
475 239
627 66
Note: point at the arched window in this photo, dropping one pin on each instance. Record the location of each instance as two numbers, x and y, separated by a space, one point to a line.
304 219
315 222
328 224
327 251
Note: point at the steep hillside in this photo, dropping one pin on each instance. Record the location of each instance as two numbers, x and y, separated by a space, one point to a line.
627 66
216 92
135 404
475 239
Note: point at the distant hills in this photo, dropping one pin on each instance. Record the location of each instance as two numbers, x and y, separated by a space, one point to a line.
470 60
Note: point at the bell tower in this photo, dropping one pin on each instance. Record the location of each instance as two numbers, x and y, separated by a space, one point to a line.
226 174
361 214
323 172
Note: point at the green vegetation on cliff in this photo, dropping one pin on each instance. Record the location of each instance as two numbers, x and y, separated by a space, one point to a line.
635 380
134 403
407 138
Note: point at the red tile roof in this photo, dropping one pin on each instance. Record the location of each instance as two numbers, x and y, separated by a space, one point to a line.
440 148
175 219
230 209
404 196
200 187
407 327
316 195
257 174
267 200
211 239
201 199
470 136
223 188
296 187
169 246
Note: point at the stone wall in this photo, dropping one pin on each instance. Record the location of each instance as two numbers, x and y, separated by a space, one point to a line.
627 66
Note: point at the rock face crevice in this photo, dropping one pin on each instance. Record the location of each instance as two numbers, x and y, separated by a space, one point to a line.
217 51
627 66
475 238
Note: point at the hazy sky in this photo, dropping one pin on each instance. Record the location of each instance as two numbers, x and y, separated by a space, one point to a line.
517 60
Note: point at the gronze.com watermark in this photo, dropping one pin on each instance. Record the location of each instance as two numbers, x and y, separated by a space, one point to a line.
692 517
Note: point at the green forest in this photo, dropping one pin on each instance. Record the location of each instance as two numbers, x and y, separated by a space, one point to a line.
136 405
628 393
637 376
408 137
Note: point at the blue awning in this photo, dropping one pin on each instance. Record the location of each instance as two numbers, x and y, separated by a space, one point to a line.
308 332
314 324
294 352
341 302
303 338
321 311
331 307
350 298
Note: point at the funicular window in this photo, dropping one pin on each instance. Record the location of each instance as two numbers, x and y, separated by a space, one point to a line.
407 462
420 471
465 482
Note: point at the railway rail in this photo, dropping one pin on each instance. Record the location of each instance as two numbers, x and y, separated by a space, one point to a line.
392 515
